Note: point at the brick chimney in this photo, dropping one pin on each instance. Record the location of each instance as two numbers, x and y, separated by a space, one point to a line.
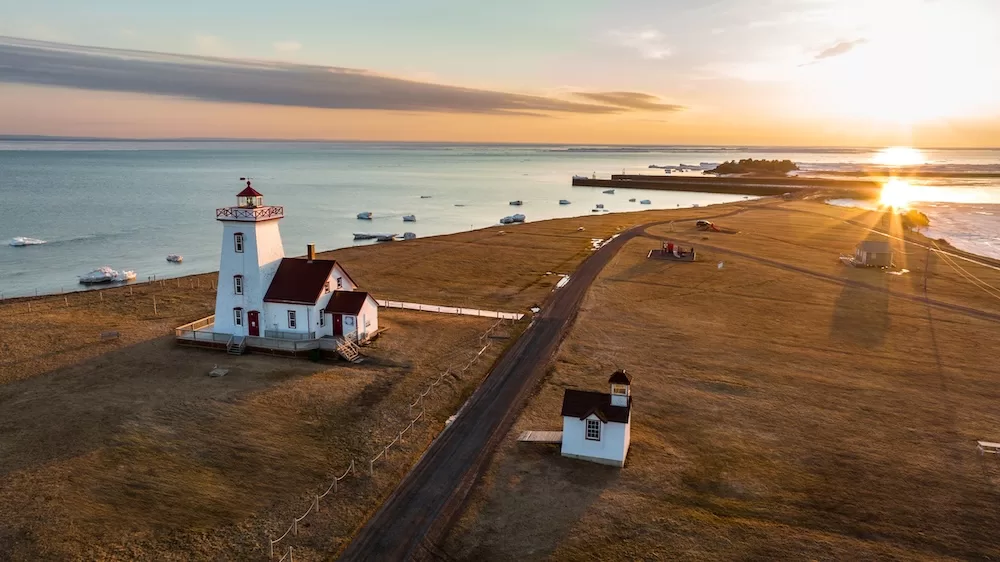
311 252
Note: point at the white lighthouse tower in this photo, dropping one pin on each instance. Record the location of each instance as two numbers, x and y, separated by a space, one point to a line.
251 253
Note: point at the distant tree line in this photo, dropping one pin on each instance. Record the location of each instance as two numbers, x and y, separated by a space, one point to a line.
751 166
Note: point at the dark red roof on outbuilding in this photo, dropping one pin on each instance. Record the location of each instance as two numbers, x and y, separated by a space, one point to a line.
620 377
347 302
299 281
583 403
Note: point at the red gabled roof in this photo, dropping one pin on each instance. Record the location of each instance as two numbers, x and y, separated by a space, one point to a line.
299 281
347 302
249 192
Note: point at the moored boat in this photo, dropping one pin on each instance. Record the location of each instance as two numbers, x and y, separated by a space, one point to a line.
645 202
367 216
517 202
409 218
564 201
609 191
25 241
517 217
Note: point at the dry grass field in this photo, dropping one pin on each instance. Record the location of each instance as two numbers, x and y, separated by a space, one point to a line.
126 450
778 414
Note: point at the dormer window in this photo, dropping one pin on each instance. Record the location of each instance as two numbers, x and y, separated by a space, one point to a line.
238 284
593 430
238 242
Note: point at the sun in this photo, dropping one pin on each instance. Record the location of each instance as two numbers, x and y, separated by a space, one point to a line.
899 156
896 194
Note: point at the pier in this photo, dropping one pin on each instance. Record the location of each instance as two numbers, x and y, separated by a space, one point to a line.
760 186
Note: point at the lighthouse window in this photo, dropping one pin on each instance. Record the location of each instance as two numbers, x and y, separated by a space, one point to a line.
322 320
594 430
238 316
238 284
291 319
619 389
238 242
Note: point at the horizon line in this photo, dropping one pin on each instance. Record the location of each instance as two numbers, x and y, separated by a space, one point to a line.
56 138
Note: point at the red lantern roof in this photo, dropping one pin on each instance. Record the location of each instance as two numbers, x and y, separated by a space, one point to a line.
249 192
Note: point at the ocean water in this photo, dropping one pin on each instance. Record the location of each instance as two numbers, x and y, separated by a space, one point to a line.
128 204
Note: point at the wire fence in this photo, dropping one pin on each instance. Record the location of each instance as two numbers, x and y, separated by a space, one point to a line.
450 310
383 454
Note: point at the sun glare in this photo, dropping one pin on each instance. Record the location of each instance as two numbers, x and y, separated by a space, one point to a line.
896 194
899 156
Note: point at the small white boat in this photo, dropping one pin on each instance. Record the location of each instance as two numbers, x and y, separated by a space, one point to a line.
106 275
409 235
175 258
409 218
564 201
518 217
599 205
365 216
645 202
609 191
517 202
25 241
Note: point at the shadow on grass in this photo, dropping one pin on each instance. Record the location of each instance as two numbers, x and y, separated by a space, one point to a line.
861 315
526 525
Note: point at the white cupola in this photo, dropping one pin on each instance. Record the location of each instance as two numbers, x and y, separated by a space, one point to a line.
620 383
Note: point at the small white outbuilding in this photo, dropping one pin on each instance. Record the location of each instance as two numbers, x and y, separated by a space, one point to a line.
596 425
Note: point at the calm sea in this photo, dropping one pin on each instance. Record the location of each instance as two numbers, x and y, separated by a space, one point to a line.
127 204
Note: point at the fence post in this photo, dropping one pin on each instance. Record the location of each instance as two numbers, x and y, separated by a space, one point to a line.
65 300
353 471
295 526
270 549
317 502
154 305
371 468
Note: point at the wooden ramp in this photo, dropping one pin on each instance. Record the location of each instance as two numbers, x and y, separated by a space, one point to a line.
541 437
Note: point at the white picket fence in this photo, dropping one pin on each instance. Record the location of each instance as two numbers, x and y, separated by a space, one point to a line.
293 529
450 310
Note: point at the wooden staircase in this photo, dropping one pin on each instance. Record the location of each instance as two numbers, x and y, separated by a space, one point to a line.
349 350
236 346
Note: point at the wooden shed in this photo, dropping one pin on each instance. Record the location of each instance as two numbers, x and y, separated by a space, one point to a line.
873 253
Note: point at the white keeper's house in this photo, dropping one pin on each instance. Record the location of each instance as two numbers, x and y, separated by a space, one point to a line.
597 426
271 302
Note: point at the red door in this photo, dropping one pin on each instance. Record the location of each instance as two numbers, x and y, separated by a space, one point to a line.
253 319
338 325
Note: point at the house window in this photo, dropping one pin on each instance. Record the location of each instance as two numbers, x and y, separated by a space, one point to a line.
238 284
594 430
326 286
619 389
291 319
340 283
322 320
238 242
238 316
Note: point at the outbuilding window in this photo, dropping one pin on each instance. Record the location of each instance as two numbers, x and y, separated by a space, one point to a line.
291 319
238 242
238 316
238 284
594 430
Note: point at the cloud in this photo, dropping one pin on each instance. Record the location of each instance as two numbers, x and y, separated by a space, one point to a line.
271 83
649 43
629 100
841 48
287 46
